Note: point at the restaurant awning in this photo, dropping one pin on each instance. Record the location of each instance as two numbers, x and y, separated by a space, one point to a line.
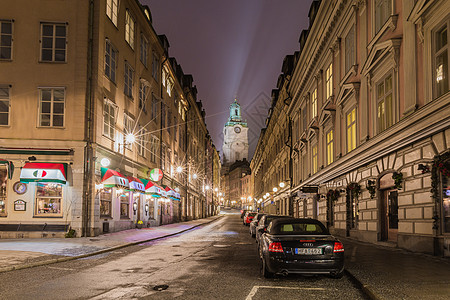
10 166
154 189
171 193
111 178
136 185
44 172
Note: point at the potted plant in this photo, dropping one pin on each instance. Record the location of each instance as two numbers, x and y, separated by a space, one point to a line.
372 188
139 224
354 189
333 195
398 179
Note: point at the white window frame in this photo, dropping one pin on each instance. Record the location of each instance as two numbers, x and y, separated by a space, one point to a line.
112 9
353 130
144 90
52 102
128 80
378 24
314 104
128 127
50 198
53 38
5 98
5 39
329 81
142 141
130 26
109 118
385 118
144 50
154 148
111 55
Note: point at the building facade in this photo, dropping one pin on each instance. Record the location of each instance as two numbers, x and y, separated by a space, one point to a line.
104 142
367 113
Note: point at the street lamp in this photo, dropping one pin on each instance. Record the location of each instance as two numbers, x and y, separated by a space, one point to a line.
179 169
275 189
282 185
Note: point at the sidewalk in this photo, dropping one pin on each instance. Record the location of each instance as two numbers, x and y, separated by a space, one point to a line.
25 253
392 273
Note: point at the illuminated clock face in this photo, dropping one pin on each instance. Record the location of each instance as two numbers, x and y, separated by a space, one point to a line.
237 129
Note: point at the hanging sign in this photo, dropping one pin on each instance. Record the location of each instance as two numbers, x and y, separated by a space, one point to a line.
156 174
20 205
310 189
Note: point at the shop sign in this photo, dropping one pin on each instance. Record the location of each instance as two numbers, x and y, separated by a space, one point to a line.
20 205
156 174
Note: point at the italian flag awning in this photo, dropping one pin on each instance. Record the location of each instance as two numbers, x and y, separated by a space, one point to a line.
171 193
152 188
10 167
111 178
44 172
136 185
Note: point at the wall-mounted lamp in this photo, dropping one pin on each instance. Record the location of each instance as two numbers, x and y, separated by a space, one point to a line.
342 191
105 162
146 209
134 207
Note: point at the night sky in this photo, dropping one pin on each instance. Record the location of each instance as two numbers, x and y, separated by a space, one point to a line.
233 48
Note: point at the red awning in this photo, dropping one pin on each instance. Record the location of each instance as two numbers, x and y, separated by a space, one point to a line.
136 184
44 172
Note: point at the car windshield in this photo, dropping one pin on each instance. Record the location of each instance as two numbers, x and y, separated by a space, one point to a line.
299 229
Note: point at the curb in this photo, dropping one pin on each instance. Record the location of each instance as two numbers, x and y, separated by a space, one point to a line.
64 259
365 288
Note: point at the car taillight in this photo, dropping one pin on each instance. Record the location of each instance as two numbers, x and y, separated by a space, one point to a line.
338 247
275 247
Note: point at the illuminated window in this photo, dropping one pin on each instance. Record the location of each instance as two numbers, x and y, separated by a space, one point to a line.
110 61
48 199
314 104
129 29
128 86
4 105
154 148
314 159
109 119
164 76
142 140
6 39
169 86
111 10
330 152
128 125
51 107
329 81
53 42
441 58
106 202
124 205
384 104
351 130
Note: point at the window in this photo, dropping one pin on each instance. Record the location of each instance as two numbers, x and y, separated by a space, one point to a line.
106 202
144 50
163 116
142 138
329 81
441 58
109 119
445 179
51 107
351 130
124 205
163 76
350 49
128 128
163 156
143 93
110 61
314 104
129 29
6 39
48 199
129 72
53 42
175 127
314 159
305 118
383 9
169 86
154 146
3 189
154 107
4 105
384 104
155 66
330 151
111 10
169 120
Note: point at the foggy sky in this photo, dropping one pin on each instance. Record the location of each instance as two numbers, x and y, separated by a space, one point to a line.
233 48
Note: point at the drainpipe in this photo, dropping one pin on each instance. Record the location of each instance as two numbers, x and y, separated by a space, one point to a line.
161 126
89 131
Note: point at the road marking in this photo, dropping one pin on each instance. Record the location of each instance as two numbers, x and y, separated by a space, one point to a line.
256 287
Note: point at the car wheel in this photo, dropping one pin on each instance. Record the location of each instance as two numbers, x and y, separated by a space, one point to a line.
253 235
264 271
337 275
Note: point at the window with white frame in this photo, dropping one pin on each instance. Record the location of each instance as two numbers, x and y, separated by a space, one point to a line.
111 10
350 49
4 105
144 50
128 86
53 42
154 107
351 130
129 29
315 161
143 96
155 66
383 10
385 116
109 118
314 104
49 198
169 86
110 61
6 39
142 140
330 147
51 107
441 55
304 118
124 205
128 129
329 81
164 76
154 147
106 202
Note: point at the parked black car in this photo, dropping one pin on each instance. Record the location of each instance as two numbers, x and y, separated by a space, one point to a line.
264 222
254 223
301 246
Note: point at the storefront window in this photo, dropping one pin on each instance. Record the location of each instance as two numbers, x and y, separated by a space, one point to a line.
105 202
124 205
3 180
48 198
446 202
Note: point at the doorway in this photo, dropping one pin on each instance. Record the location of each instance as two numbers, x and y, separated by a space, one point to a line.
389 216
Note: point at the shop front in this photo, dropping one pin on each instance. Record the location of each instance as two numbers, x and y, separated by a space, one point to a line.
155 199
137 189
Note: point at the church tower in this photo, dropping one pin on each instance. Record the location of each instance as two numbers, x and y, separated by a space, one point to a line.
235 136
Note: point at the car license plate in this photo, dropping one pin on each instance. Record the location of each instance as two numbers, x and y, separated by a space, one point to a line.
308 251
